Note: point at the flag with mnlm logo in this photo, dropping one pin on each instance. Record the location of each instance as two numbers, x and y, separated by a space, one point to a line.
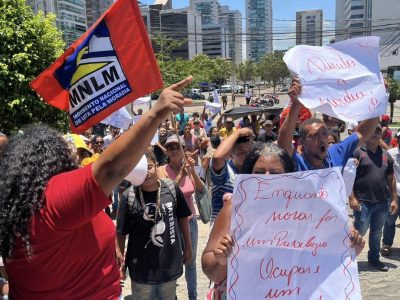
106 68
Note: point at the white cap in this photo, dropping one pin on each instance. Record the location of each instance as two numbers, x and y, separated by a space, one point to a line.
138 174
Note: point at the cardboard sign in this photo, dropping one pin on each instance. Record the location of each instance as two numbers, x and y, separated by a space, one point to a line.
342 80
291 238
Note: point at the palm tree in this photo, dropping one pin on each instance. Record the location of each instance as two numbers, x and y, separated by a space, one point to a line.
394 94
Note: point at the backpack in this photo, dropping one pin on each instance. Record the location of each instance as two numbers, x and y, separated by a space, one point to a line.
130 195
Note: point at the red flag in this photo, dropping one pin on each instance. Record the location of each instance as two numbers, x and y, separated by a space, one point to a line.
106 68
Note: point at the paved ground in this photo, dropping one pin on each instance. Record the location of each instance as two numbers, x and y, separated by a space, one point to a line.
375 285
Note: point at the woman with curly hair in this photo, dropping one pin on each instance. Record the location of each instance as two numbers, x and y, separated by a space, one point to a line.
55 239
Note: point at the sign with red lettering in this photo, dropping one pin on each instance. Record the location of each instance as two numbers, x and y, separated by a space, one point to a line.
342 79
291 238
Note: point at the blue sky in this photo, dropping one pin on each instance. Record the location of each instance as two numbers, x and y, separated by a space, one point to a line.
282 10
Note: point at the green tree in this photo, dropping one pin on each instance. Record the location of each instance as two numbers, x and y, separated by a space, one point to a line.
394 94
272 68
246 71
29 44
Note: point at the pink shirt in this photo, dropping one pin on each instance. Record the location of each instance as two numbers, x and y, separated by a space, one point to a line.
187 187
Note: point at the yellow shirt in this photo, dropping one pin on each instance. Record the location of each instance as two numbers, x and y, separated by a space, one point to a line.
224 133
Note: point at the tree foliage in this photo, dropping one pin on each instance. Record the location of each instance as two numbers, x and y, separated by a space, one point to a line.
247 71
29 44
272 68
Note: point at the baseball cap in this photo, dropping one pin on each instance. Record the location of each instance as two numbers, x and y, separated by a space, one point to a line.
77 141
173 139
268 122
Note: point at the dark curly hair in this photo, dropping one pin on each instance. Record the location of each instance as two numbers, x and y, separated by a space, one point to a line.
27 163
267 149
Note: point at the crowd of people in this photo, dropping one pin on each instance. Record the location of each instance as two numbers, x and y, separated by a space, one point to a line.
57 235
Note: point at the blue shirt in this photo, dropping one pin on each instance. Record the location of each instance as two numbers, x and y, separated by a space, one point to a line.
183 120
337 155
222 182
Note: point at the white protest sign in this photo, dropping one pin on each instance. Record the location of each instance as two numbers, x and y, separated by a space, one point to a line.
291 238
342 80
142 101
215 96
120 119
214 108
154 140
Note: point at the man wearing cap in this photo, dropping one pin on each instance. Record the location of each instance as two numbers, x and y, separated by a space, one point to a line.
374 188
228 129
389 229
314 138
226 163
268 135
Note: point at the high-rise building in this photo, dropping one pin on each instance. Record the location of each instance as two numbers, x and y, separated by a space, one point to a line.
209 10
355 18
185 25
309 27
232 20
215 40
71 16
258 28
95 8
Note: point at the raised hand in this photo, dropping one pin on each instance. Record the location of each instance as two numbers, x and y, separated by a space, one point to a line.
170 99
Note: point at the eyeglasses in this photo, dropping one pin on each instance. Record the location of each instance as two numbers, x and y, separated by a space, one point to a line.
99 142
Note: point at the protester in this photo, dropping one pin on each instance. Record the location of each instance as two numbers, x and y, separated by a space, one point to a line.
197 131
333 138
111 136
97 144
191 143
153 215
56 241
207 121
189 182
389 228
215 141
248 96
314 138
262 159
244 122
159 148
181 120
374 188
228 129
226 163
213 132
255 123
268 135
386 132
224 98
79 147
334 125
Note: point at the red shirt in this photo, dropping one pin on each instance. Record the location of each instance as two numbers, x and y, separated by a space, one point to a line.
73 242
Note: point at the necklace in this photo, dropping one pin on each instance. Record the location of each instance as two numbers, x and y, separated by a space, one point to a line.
158 203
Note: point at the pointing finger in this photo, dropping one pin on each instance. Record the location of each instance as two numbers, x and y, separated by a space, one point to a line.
181 84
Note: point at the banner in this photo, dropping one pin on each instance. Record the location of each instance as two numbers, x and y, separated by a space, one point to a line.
214 108
109 66
342 79
291 238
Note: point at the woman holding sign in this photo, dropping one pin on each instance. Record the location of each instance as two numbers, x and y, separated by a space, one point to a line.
262 159
51 212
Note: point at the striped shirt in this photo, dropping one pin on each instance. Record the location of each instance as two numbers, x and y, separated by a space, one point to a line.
222 182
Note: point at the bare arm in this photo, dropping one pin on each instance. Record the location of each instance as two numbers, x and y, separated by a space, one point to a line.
213 268
184 224
365 129
224 150
289 124
391 180
124 153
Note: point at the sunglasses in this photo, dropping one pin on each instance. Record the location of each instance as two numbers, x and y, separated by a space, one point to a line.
99 142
